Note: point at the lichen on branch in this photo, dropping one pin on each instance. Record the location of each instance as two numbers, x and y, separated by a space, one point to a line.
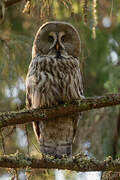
79 162
26 116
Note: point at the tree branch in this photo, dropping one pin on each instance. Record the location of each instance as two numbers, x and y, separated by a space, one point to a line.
77 163
11 2
26 116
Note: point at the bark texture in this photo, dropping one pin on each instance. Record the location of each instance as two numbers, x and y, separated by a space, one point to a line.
77 163
69 108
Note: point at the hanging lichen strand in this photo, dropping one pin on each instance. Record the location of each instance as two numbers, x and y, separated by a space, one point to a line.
27 7
94 13
67 3
46 9
85 9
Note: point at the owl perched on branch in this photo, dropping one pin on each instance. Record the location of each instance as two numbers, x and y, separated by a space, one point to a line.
53 78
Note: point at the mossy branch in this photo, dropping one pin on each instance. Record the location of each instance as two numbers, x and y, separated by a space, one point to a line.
26 116
77 163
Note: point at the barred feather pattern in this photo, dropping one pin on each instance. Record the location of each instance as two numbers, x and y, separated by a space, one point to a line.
51 81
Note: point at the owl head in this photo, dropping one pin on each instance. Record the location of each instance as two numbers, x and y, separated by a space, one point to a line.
56 38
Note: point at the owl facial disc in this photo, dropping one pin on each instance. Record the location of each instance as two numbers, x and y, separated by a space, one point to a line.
54 37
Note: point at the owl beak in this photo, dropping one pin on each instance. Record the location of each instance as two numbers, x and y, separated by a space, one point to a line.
57 46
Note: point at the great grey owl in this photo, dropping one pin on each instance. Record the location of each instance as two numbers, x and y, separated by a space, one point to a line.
54 77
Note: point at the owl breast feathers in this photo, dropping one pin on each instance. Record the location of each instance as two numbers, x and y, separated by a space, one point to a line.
54 77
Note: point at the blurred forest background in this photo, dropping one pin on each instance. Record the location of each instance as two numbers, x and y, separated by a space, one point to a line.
99 130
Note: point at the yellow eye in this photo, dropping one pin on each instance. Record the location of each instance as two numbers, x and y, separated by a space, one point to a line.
50 39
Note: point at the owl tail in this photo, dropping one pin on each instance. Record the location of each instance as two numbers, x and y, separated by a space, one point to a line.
56 137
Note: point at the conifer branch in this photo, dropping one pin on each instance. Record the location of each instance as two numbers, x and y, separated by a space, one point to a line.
76 163
69 108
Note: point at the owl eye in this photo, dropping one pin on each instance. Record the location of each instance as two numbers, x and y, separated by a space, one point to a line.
63 39
50 39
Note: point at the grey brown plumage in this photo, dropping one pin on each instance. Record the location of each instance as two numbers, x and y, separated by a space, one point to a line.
54 77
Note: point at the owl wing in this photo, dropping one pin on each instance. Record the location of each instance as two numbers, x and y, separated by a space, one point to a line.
77 116
30 84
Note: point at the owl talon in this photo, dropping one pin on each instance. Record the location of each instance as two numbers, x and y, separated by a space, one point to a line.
82 97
